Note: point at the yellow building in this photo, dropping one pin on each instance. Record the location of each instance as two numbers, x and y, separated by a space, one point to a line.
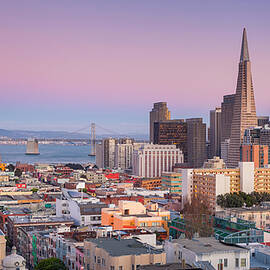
131 215
234 175
261 178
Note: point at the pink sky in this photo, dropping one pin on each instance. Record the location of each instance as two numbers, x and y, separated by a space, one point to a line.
72 64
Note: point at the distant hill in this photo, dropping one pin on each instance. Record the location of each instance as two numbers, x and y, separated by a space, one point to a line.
24 134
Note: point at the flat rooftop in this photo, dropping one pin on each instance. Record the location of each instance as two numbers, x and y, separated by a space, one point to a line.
251 209
207 245
168 266
39 219
122 247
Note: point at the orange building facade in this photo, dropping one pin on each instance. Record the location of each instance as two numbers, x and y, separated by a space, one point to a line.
131 215
254 153
148 183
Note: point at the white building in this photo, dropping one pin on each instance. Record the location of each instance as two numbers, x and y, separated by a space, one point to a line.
246 176
84 209
187 184
123 156
153 159
116 153
207 249
222 182
14 261
105 153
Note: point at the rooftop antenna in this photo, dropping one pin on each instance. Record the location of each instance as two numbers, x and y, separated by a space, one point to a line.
93 139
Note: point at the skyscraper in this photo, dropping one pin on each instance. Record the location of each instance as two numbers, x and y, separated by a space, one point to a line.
244 110
160 112
196 142
105 153
172 132
263 120
215 132
226 116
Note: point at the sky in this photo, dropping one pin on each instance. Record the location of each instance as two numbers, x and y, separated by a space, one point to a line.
66 63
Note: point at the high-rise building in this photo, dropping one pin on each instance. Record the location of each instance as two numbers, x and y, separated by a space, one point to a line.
226 116
258 135
196 142
105 153
244 110
252 136
153 159
172 132
116 153
215 132
160 112
265 139
263 120
225 150
254 153
123 155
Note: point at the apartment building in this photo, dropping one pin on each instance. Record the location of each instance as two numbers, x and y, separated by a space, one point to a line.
258 214
120 254
172 181
151 160
132 215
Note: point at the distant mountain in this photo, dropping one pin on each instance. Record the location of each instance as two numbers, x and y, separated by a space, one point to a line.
24 134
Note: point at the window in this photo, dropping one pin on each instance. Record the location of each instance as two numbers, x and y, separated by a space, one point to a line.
243 262
120 267
98 260
103 261
112 268
133 267
220 265
225 262
236 262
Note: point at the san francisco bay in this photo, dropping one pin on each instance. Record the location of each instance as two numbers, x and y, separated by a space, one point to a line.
49 153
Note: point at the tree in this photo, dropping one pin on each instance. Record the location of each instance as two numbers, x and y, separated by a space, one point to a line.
198 218
34 190
241 198
51 264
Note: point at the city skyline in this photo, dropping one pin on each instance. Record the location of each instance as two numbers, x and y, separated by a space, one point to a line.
64 66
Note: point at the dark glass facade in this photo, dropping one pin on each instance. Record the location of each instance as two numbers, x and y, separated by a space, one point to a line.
172 132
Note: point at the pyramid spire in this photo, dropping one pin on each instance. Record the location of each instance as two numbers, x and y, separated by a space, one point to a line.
244 49
244 109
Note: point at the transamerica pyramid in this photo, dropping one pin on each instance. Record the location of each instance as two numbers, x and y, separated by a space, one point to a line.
244 111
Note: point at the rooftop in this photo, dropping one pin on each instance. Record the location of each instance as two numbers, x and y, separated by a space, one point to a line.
39 219
168 266
207 245
122 247
251 209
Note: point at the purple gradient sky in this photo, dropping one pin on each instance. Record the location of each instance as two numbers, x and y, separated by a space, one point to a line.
67 63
